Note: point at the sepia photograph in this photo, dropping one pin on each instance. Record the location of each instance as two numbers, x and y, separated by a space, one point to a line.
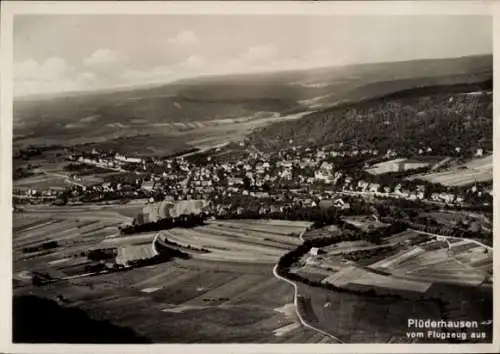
187 178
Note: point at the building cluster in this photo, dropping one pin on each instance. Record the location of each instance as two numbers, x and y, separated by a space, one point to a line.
298 176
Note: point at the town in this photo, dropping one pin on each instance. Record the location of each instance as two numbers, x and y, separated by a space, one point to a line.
305 176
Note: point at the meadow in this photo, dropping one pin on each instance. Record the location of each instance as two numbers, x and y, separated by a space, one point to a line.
477 170
219 299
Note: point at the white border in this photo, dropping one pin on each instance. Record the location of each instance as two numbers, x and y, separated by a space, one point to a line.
318 8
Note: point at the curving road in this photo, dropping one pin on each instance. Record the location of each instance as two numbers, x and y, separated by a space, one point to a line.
295 299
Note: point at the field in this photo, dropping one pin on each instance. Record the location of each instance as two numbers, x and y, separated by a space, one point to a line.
325 231
477 170
53 174
229 294
164 138
397 165
407 263
75 230
42 182
455 277
360 276
451 217
359 319
182 301
239 240
462 262
364 223
187 302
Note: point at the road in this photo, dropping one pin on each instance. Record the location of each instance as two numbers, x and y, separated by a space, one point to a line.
389 195
463 207
67 179
295 300
452 237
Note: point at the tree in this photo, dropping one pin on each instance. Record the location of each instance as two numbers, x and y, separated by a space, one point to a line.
247 183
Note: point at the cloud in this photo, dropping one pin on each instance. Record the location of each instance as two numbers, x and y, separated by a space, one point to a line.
326 57
30 87
50 69
101 57
26 69
259 53
156 74
86 78
192 62
267 58
107 68
51 75
184 38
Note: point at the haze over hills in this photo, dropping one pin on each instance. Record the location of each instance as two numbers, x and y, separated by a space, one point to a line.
193 104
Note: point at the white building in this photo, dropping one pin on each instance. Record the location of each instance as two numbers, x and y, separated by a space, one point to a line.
123 158
314 251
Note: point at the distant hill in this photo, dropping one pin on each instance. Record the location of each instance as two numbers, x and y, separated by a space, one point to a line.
105 114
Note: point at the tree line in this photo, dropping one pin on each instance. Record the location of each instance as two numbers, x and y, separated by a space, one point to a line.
185 221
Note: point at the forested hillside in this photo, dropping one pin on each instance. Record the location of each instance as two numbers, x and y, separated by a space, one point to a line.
442 118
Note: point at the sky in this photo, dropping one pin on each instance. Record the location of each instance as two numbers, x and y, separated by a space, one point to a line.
59 53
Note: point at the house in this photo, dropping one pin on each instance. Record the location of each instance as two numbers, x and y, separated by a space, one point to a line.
314 251
363 186
260 194
405 193
131 254
263 210
123 158
232 181
336 203
284 164
443 197
323 175
148 186
339 203
286 174
479 153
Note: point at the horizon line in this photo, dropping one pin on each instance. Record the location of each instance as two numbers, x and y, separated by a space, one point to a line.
116 88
